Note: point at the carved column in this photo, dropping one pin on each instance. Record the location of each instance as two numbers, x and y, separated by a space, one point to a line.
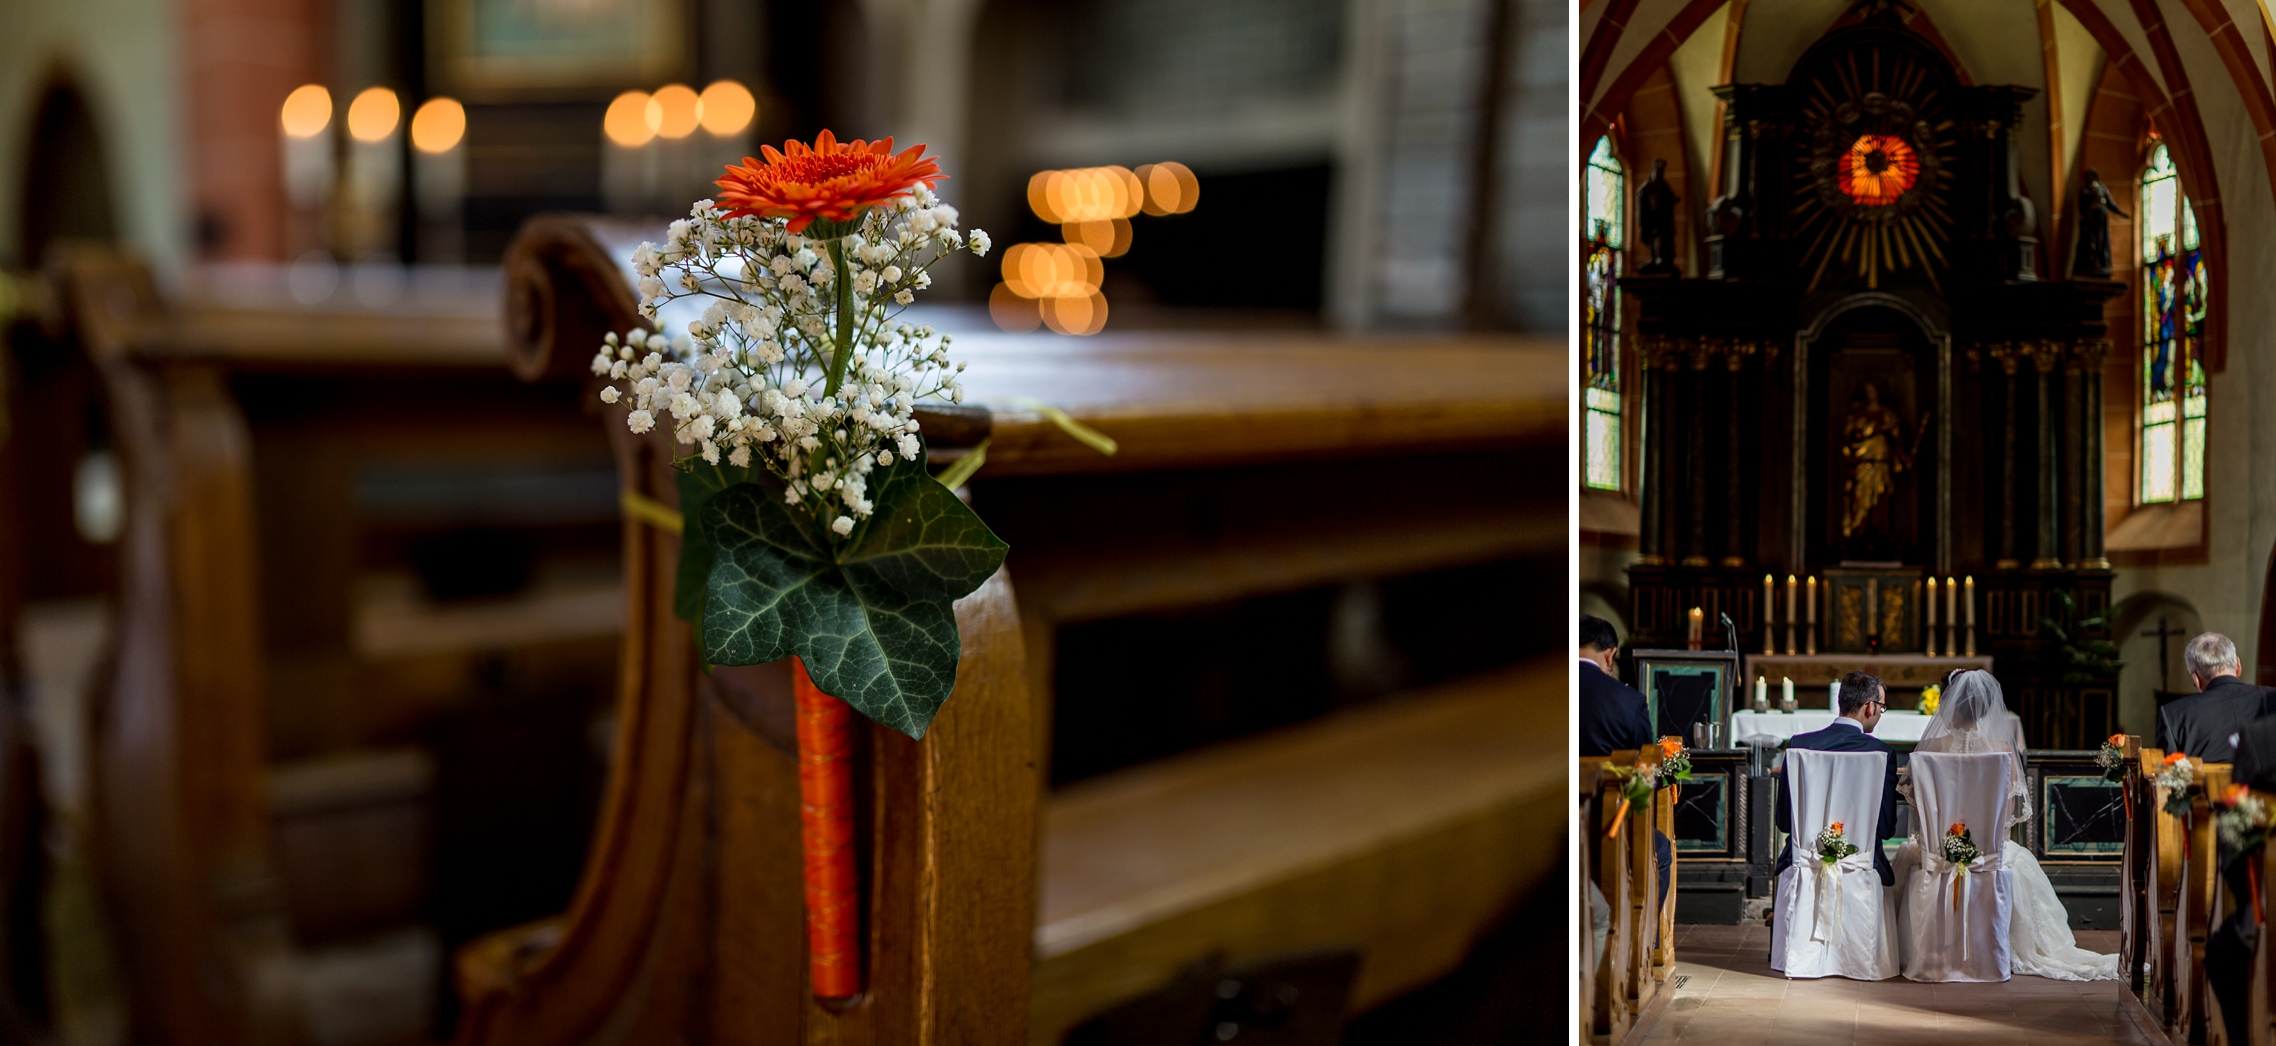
1695 462
2007 492
2090 551
2047 551
2074 454
1651 543
1734 482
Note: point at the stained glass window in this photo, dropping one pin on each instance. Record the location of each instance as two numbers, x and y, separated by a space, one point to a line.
1877 169
2173 325
1604 192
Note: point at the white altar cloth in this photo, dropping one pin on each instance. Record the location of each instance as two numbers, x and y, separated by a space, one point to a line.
1894 725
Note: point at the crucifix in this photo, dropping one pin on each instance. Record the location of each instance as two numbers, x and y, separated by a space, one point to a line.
2162 633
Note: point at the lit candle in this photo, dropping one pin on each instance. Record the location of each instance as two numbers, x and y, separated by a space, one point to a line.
1931 610
1785 693
1971 601
1813 599
1793 597
1951 602
1769 600
1761 694
1698 626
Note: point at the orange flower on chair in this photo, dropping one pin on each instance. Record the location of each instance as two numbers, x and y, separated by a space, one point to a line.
1835 828
1958 828
2175 757
830 180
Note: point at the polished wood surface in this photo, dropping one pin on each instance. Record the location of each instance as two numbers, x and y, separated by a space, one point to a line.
1302 840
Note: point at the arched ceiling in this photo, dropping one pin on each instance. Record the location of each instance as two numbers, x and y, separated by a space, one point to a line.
2200 67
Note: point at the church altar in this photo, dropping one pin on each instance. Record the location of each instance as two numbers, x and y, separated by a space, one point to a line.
1901 672
1894 726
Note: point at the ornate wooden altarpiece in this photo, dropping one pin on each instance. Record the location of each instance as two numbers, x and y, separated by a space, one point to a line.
1878 373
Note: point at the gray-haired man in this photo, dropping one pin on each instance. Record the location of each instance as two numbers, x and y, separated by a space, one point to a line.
2205 724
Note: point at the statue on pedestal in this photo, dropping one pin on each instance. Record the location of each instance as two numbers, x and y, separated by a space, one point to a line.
2094 210
1655 221
1873 453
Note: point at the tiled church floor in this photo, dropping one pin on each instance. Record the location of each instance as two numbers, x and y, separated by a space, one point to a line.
1728 994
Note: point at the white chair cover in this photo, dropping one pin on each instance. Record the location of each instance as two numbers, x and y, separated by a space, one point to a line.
1965 939
1834 920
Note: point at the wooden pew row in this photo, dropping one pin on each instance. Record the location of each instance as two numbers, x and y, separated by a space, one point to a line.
2172 896
1399 830
1588 780
1639 951
252 795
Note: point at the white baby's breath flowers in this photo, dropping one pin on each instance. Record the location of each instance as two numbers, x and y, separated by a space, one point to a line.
759 378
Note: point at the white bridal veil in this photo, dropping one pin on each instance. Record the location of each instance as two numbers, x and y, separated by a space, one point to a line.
1973 717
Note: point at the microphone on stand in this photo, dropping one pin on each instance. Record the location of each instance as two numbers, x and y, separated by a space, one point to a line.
1730 633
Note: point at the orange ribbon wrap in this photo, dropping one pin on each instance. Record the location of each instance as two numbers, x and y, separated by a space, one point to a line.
826 835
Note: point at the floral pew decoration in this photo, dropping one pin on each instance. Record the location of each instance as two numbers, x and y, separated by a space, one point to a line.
811 527
2178 776
1638 782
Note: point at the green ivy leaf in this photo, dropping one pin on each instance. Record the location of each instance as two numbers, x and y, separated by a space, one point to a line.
873 620
697 485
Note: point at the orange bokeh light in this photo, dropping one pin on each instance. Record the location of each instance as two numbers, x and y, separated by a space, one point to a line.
673 111
1012 312
1088 194
1085 315
438 126
374 114
1052 270
307 111
1171 188
626 123
726 107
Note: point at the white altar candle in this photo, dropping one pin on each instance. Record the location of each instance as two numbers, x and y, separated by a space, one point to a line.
1951 603
1698 626
1931 610
1769 600
1761 694
1813 599
1785 693
1971 601
1793 597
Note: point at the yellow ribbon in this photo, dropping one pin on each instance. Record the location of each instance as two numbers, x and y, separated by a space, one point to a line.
1829 874
1959 880
1082 433
651 511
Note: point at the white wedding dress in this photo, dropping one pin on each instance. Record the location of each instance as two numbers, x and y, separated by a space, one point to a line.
2039 929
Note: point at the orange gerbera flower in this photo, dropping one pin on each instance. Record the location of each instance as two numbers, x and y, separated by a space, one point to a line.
2235 793
2175 757
1670 747
2117 741
1958 828
1835 828
831 180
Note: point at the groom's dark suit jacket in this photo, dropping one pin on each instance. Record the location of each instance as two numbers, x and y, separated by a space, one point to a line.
1844 738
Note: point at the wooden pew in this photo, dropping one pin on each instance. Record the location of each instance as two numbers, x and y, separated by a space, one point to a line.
1663 819
247 666
2134 910
1399 830
2194 914
1637 955
1588 780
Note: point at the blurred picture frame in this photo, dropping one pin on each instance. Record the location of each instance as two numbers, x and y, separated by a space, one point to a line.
485 49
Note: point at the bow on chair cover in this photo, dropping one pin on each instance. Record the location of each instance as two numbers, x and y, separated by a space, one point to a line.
1833 920
1955 919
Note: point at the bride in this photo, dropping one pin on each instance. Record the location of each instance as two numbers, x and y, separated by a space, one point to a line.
1973 717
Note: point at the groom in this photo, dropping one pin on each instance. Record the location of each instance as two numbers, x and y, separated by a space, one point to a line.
1863 699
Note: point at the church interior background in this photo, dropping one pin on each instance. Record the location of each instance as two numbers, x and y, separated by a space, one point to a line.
1866 337
396 752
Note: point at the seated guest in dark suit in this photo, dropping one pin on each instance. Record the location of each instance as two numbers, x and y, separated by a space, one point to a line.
2206 724
1863 699
1613 715
1615 718
2228 950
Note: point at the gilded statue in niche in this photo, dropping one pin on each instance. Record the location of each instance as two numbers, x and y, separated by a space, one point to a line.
1873 454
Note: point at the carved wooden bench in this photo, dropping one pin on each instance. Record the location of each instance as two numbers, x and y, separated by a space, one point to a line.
1400 829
